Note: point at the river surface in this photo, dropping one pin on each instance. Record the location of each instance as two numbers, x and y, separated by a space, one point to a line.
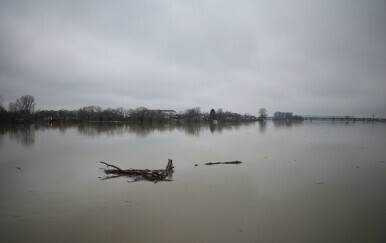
302 182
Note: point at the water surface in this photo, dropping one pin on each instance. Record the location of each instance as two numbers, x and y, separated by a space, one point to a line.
304 182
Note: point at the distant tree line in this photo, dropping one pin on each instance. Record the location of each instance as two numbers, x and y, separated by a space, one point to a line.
224 116
278 115
23 109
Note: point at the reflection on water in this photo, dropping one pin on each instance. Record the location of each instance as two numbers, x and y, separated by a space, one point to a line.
262 126
25 133
286 123
95 129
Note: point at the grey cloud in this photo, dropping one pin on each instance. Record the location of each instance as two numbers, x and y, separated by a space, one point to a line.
309 57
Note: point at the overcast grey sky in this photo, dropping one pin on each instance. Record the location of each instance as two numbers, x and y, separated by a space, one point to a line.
323 57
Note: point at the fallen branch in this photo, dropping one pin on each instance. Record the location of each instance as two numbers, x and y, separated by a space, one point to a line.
108 165
225 163
142 174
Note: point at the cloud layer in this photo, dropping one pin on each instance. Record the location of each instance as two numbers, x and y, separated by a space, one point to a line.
309 57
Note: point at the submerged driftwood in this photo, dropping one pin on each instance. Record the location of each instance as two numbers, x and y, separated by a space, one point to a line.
141 174
226 163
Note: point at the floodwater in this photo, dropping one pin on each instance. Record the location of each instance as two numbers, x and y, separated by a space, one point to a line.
302 182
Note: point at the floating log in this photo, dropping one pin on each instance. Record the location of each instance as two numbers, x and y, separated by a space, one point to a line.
225 163
142 174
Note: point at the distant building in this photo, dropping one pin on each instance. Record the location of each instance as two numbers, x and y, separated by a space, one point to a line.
56 119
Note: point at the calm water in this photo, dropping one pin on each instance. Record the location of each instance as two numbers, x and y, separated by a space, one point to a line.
309 182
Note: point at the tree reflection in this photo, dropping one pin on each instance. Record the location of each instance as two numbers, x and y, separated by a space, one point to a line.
146 129
286 123
25 133
96 129
193 129
262 126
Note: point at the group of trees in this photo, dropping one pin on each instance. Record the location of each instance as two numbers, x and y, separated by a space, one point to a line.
142 114
1 104
193 114
229 116
222 116
97 113
91 113
24 105
286 116
23 108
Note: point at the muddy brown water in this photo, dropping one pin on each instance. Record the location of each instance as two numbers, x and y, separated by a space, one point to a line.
302 182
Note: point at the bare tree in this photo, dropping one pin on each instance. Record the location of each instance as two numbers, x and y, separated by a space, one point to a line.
2 109
140 114
25 104
220 114
192 114
91 112
263 113
12 107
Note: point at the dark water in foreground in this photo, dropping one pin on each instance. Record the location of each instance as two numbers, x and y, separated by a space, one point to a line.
309 182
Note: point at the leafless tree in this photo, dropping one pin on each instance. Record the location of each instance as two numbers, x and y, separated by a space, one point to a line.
12 107
220 114
263 113
117 114
25 104
91 112
192 114
2 109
